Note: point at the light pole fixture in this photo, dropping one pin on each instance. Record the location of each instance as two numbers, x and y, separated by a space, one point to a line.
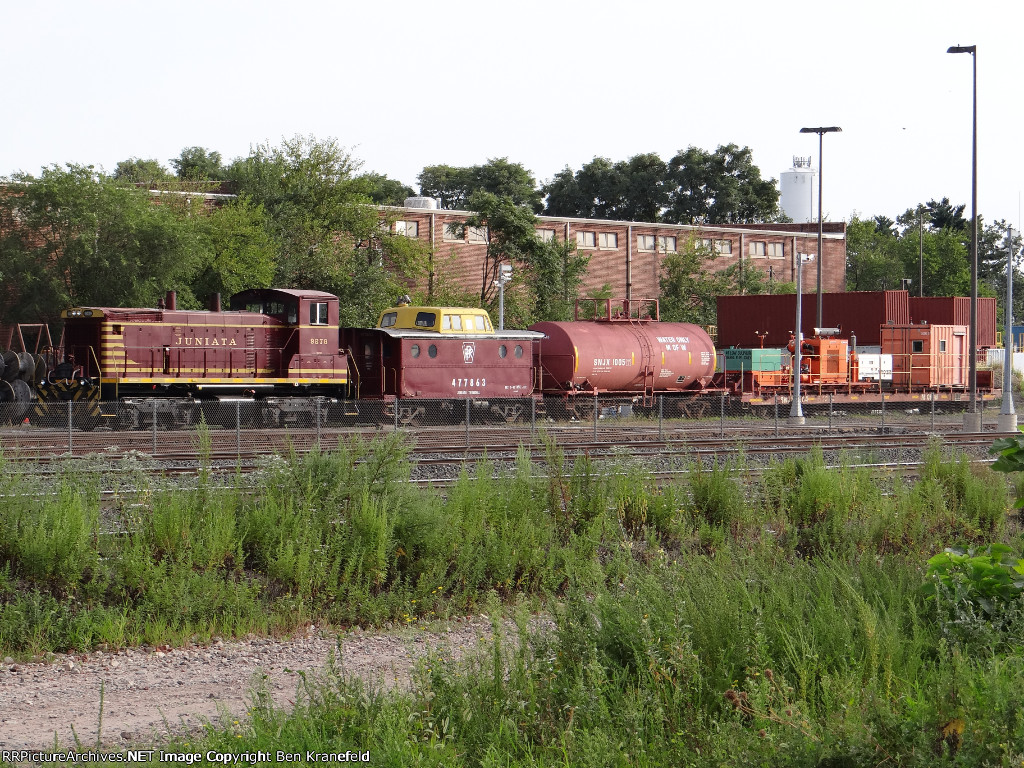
971 422
821 134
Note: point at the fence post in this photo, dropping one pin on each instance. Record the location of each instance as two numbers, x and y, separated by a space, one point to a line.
933 411
238 429
317 423
533 418
154 427
776 398
722 428
467 423
830 413
397 403
597 409
70 420
883 412
661 417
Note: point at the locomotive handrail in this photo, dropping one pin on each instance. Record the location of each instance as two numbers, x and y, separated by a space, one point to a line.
350 363
99 369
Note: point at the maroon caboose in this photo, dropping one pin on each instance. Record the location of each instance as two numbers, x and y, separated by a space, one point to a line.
272 341
431 360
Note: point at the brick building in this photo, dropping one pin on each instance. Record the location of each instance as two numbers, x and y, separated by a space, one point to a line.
628 255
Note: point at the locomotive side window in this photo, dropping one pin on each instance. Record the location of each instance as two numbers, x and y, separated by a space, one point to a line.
389 320
318 313
414 350
425 319
502 351
432 350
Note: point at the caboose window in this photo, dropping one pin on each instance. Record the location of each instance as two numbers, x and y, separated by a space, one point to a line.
456 322
318 313
917 345
389 319
480 324
425 319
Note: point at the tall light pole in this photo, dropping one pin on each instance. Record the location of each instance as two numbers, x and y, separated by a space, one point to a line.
821 135
796 412
1007 415
972 419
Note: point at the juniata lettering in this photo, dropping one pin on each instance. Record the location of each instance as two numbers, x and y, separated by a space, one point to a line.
203 341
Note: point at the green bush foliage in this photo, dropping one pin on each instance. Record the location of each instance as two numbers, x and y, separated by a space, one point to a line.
796 619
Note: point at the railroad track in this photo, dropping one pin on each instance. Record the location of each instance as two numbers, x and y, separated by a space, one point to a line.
34 444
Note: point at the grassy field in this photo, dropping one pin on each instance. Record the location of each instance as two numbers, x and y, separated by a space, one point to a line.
806 618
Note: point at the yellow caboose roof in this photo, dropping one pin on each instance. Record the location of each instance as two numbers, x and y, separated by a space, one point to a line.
437 319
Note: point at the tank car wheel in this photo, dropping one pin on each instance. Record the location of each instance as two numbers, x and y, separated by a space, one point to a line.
697 408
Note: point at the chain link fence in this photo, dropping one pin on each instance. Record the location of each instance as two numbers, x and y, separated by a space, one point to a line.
172 427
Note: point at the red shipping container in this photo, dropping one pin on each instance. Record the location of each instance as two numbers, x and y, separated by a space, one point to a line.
927 356
956 310
742 319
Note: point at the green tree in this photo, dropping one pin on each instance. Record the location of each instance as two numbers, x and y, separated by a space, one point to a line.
631 190
199 164
328 232
137 171
720 187
455 186
382 190
694 187
72 236
689 290
237 251
555 271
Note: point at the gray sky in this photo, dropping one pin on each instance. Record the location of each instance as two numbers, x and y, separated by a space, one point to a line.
546 84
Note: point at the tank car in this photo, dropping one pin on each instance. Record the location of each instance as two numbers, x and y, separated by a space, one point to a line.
621 348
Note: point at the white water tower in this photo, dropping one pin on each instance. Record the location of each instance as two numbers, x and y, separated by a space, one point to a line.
797 191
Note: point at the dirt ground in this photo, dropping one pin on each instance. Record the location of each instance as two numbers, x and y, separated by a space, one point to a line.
149 693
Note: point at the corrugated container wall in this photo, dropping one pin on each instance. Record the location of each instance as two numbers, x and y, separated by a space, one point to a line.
956 310
742 318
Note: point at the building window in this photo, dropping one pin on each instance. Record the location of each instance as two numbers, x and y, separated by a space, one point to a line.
450 236
707 243
477 234
645 243
407 228
775 250
723 247
667 244
546 235
586 240
608 240
757 250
